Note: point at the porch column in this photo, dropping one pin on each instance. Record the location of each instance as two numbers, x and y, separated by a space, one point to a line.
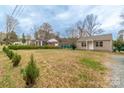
41 43
86 45
93 44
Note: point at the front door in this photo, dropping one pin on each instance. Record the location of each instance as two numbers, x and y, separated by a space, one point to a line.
90 43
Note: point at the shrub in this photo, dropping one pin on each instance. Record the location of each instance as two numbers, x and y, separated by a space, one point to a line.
73 46
16 59
5 49
10 54
16 47
118 44
30 73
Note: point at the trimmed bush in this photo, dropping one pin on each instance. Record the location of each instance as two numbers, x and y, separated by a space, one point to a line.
5 49
118 45
30 73
10 54
16 59
17 47
73 46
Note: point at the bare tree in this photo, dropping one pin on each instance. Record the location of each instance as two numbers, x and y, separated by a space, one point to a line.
36 35
35 30
80 25
47 29
89 26
44 32
72 32
11 24
57 35
92 25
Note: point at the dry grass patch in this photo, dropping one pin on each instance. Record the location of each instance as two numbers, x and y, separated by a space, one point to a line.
60 68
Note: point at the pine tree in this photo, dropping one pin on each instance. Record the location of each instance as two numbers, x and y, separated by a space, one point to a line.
23 38
30 73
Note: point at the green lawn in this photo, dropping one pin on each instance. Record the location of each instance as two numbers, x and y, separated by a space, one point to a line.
91 63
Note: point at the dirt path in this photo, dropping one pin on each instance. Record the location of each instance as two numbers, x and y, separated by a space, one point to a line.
117 71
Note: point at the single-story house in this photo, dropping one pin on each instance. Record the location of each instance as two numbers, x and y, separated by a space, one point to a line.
41 42
53 42
17 43
98 42
38 42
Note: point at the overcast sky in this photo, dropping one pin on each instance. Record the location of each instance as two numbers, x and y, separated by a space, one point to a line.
61 17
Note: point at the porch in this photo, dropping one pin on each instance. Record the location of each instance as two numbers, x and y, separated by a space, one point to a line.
88 44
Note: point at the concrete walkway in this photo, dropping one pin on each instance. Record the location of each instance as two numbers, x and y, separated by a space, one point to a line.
117 71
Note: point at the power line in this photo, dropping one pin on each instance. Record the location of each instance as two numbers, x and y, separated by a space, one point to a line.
19 11
14 10
12 14
9 24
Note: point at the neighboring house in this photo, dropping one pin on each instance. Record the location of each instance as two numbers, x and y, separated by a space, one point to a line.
98 42
17 43
53 42
37 42
121 35
30 42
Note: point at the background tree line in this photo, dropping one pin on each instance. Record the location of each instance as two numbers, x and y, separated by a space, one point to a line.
45 32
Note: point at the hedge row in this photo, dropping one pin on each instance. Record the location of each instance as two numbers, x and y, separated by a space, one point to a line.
8 52
12 56
17 47
30 73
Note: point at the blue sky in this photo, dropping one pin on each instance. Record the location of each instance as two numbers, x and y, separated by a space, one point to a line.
61 17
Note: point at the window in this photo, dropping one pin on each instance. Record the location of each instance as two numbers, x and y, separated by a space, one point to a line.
99 43
83 44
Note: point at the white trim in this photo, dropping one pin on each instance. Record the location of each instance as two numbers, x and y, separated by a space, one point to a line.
86 44
91 45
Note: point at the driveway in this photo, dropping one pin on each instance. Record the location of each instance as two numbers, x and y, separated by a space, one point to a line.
117 71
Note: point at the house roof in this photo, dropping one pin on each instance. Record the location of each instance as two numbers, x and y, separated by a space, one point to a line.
67 41
52 40
97 37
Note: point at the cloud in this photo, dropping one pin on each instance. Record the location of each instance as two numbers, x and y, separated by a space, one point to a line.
26 22
61 17
25 26
112 20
